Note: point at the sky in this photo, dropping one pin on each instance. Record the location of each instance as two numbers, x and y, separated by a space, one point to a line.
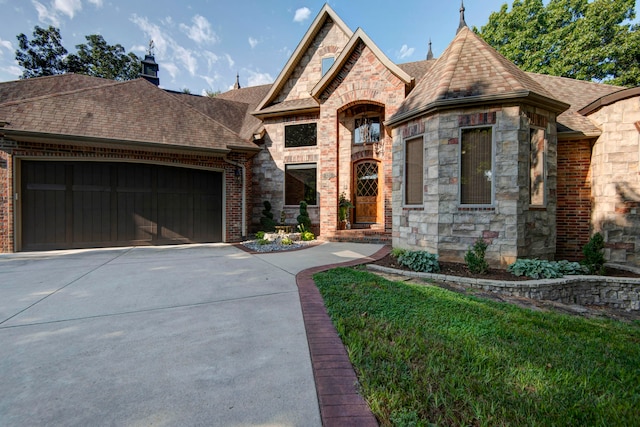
201 45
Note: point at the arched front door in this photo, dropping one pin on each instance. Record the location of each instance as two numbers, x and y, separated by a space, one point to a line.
367 192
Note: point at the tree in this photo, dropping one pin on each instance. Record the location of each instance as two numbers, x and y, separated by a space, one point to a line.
569 38
99 59
43 55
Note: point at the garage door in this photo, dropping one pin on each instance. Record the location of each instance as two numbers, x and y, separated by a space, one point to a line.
89 204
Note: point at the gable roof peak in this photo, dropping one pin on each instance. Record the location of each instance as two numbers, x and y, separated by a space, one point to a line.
463 23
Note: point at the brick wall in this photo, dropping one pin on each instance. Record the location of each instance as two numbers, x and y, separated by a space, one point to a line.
233 186
574 198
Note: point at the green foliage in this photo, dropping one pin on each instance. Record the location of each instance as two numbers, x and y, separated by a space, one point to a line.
260 235
99 59
581 39
303 219
421 261
286 241
43 55
267 221
397 252
542 269
263 241
427 356
344 204
475 257
593 254
307 236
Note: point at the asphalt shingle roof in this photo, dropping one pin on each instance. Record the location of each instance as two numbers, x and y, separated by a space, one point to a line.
135 111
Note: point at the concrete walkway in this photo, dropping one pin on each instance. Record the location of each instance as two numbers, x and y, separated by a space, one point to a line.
174 335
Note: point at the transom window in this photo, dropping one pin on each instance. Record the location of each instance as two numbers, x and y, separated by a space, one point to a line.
367 129
300 184
302 135
476 166
413 171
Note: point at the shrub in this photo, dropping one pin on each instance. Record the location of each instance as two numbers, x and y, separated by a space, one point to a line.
535 269
593 254
267 221
475 257
263 241
397 252
286 241
421 261
568 268
303 219
307 236
260 235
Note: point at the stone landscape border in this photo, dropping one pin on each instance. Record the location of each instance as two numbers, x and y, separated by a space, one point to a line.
612 292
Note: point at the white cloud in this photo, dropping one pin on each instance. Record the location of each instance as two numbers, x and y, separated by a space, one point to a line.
185 56
68 7
154 33
253 42
256 78
211 58
5 44
200 31
13 70
170 68
302 14
230 60
46 15
96 3
405 51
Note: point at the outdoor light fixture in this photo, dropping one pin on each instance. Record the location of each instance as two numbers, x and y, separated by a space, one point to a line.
238 174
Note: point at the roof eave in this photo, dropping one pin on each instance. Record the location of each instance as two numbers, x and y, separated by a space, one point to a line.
444 104
314 28
24 136
610 99
359 35
285 112
576 134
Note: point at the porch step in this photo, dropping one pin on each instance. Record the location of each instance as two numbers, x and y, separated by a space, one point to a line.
358 236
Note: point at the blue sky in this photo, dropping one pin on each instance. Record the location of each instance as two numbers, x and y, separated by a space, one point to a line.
202 44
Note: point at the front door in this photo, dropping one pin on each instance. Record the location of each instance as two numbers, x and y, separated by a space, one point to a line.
367 193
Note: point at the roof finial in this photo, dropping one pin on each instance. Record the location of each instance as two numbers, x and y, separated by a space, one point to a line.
237 85
430 53
463 23
151 47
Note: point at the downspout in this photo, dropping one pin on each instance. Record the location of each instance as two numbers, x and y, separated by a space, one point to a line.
244 194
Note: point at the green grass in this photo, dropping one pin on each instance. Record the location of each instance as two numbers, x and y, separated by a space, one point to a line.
427 356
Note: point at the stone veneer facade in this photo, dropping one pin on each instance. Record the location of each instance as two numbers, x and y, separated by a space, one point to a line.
510 226
232 189
615 180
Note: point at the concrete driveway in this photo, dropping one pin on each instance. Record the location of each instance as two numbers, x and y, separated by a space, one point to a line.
174 335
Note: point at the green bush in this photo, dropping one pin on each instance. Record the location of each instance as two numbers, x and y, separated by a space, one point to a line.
421 261
593 254
542 269
286 241
267 221
397 252
568 268
307 236
475 257
263 242
260 235
303 219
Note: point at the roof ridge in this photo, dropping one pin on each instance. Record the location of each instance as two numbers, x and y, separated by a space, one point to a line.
66 92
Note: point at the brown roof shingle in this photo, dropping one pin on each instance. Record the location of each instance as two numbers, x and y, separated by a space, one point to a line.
134 111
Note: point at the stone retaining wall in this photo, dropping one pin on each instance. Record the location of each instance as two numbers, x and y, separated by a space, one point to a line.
612 292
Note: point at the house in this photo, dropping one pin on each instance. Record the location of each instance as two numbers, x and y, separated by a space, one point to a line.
433 154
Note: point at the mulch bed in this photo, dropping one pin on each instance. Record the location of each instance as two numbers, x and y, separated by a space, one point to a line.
461 270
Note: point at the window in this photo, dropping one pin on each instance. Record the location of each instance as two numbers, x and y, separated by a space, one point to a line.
537 172
414 169
327 63
367 129
304 135
476 167
300 184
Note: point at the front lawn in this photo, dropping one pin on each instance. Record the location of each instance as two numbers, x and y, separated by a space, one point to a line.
425 355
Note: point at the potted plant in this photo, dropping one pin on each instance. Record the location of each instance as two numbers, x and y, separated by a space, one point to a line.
344 205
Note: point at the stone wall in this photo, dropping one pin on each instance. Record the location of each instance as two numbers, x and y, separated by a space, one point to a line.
445 227
10 151
616 180
614 292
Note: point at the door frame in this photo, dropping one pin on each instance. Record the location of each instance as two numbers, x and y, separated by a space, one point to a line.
379 219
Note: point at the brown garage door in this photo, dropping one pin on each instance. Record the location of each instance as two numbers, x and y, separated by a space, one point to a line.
89 204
